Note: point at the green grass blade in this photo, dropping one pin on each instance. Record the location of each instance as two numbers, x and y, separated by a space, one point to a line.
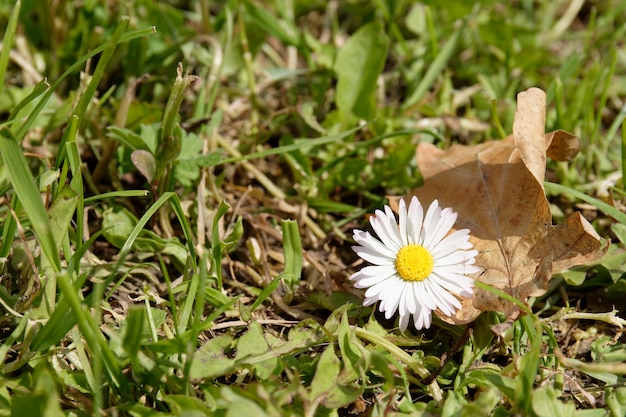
41 87
292 247
266 292
92 334
134 234
216 247
79 63
302 143
141 223
15 335
60 322
90 91
187 308
435 69
28 193
9 228
7 42
508 297
184 224
116 194
76 184
623 156
601 205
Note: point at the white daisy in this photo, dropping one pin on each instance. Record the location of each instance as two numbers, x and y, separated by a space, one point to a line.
417 264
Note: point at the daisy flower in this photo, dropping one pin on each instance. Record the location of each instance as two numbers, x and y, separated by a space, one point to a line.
417 265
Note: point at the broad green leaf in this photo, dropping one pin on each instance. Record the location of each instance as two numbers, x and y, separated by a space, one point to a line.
145 163
359 63
574 277
616 401
454 405
130 139
187 406
352 351
483 405
328 368
491 377
133 330
42 401
252 344
239 405
117 224
546 403
210 361
48 178
299 338
61 213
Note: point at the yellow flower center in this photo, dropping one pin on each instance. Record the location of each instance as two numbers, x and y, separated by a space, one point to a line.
414 263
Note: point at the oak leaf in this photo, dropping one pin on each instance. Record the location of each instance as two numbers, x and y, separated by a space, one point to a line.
497 190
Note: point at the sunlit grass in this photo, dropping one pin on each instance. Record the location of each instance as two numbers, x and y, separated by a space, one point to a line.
176 237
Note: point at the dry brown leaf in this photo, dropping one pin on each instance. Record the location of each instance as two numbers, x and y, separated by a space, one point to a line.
497 190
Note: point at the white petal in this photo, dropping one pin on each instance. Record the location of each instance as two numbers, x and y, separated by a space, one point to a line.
404 322
452 242
372 257
385 232
366 282
390 304
415 218
422 297
375 270
375 290
390 297
366 240
402 223
456 279
410 300
422 318
462 287
445 301
391 226
460 269
430 222
368 301
441 228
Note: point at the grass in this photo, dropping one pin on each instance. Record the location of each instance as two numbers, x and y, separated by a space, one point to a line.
176 237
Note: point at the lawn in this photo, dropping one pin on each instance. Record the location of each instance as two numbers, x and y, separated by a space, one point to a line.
198 207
